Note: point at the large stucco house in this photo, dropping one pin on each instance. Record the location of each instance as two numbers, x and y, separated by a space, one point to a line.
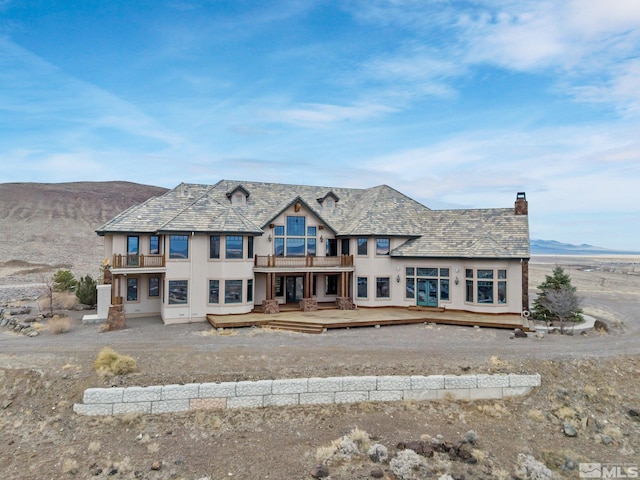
238 246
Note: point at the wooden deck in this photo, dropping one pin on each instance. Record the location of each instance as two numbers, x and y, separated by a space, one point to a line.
324 319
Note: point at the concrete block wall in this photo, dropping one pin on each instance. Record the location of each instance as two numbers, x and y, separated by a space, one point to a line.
302 391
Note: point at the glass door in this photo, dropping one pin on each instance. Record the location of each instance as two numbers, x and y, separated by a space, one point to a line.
427 292
294 289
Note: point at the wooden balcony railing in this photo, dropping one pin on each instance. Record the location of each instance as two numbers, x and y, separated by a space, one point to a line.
271 261
137 261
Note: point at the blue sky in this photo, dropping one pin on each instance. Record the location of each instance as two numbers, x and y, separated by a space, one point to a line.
457 104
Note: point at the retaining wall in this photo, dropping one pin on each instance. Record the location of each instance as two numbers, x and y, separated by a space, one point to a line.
302 391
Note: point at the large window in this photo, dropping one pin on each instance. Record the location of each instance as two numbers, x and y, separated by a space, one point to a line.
296 240
214 246
178 246
363 291
214 291
344 246
178 292
383 287
382 246
154 286
486 286
249 247
154 245
233 246
133 249
432 279
362 246
233 291
132 289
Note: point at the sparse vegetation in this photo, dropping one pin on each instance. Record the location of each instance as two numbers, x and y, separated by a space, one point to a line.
59 324
108 360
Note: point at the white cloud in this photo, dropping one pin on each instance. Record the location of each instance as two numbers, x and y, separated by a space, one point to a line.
317 114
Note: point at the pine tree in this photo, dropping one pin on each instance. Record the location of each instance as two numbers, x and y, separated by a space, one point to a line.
560 285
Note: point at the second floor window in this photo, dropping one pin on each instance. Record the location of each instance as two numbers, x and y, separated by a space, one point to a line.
214 246
154 245
233 246
178 246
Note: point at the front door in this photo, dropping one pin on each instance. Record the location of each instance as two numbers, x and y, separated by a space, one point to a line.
427 292
294 289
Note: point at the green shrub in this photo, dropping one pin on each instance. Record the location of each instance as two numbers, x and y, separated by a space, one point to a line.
111 361
86 291
63 281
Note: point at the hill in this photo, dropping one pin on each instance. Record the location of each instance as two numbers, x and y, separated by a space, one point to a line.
48 225
552 247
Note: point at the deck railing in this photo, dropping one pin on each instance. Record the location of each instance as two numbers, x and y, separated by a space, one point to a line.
137 261
272 261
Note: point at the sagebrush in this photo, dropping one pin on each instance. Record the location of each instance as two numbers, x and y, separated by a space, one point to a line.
111 361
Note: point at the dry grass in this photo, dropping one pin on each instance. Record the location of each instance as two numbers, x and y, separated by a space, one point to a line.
59 324
111 361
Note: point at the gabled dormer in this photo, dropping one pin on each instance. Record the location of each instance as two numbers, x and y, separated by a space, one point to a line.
329 200
238 196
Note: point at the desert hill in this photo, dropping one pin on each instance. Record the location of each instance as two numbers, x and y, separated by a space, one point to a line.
46 225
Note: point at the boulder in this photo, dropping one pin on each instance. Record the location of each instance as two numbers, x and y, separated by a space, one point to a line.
320 471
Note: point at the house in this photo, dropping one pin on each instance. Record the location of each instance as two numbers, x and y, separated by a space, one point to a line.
237 246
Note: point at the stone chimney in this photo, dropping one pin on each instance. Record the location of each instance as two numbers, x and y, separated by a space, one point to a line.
522 207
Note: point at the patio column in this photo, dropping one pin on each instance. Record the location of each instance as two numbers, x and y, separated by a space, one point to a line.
269 291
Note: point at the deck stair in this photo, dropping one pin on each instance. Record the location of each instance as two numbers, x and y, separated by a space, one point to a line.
293 326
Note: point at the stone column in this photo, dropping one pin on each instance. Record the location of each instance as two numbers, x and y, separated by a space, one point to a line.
116 319
270 306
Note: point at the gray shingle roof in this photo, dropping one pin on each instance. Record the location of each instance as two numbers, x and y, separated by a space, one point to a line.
376 211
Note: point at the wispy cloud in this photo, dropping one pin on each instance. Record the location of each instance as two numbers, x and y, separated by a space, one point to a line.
324 114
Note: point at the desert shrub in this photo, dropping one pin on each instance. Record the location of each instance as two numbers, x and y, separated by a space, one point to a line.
405 464
378 453
59 324
86 291
63 281
111 361
528 468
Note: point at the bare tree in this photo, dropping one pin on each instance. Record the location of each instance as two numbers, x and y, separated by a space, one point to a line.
562 303
48 289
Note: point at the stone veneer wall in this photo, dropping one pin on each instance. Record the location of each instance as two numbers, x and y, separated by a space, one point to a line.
302 391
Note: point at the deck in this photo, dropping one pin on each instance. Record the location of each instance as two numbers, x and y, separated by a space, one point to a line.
327 318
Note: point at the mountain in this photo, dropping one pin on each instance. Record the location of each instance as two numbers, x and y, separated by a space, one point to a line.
552 247
54 223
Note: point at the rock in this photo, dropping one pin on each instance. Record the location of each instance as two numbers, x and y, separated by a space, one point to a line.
113 470
320 471
569 430
634 412
377 473
33 333
600 326
606 439
519 333
6 404
157 465
417 447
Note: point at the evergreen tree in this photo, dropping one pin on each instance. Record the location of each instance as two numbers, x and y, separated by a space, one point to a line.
558 283
86 291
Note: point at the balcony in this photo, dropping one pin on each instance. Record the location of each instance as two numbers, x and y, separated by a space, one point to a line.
138 261
271 261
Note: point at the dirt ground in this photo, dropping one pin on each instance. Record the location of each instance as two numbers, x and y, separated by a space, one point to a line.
589 382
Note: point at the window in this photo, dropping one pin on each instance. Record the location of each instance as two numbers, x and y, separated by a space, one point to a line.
178 291
363 291
154 286
344 246
444 289
382 287
279 292
154 245
132 289
250 290
233 291
296 226
233 246
214 291
133 249
178 246
332 247
297 240
382 246
249 247
489 286
410 288
362 246
331 285
214 246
